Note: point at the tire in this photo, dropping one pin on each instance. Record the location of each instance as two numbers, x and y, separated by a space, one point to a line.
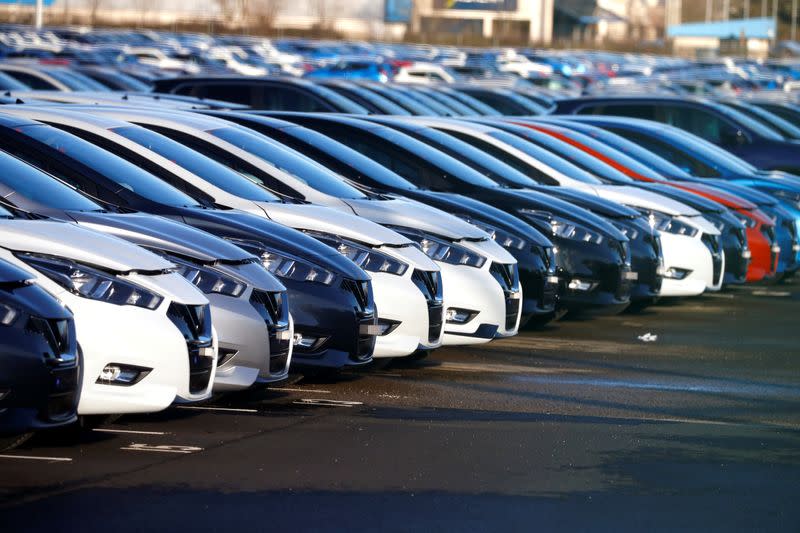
9 443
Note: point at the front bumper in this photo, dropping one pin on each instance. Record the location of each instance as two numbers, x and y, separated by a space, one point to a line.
592 277
686 254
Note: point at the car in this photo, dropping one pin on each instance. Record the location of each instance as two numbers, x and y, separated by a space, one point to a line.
533 251
331 299
504 100
280 169
353 68
765 117
49 78
712 121
685 261
261 93
249 305
594 266
699 158
370 100
39 363
145 333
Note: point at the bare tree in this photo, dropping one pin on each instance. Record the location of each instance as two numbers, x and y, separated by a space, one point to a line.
264 12
145 8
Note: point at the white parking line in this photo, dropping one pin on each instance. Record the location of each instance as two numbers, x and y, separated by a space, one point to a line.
781 294
302 390
35 458
227 409
326 402
111 430
164 448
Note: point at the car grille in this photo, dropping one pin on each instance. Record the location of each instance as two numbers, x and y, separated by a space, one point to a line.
362 291
62 362
58 337
714 245
547 255
507 275
273 308
194 324
430 285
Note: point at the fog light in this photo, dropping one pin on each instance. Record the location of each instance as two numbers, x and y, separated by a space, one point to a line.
308 342
225 355
552 279
581 285
747 254
4 393
776 249
123 375
386 326
796 247
631 276
677 273
454 315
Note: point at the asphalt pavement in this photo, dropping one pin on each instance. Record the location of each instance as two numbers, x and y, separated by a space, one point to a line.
581 426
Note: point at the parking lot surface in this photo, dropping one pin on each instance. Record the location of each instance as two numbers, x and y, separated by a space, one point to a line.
580 426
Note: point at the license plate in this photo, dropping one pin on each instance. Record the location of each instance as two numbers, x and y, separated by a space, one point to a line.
283 335
747 254
514 296
370 329
206 352
776 249
631 276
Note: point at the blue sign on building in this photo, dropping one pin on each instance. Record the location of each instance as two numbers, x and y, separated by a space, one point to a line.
46 3
398 10
485 5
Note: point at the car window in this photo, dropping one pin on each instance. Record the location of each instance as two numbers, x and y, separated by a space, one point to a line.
34 82
643 111
288 160
238 93
30 183
702 123
671 153
199 165
116 169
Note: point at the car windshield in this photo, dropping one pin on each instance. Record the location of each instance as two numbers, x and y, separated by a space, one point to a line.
451 166
545 156
116 169
290 161
215 173
34 185
347 155
750 123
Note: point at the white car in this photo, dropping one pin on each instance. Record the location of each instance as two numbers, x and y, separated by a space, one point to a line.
688 262
145 333
476 305
425 73
406 283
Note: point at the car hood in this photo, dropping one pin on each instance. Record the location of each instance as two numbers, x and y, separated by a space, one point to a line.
412 214
329 220
635 197
589 199
12 274
728 199
163 234
751 194
64 239
245 226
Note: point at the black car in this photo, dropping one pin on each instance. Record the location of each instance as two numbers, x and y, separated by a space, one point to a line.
594 256
719 124
39 363
287 94
329 296
532 250
645 248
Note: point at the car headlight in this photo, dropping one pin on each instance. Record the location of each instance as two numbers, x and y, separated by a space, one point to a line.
285 266
790 197
8 315
501 237
363 256
561 227
441 250
668 224
744 219
206 279
92 283
630 232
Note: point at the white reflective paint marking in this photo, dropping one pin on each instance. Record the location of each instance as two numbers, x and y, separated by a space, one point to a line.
317 391
506 369
35 458
226 409
163 448
112 430
326 402
719 295
779 294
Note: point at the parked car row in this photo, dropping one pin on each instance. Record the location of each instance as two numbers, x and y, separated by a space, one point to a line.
218 235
